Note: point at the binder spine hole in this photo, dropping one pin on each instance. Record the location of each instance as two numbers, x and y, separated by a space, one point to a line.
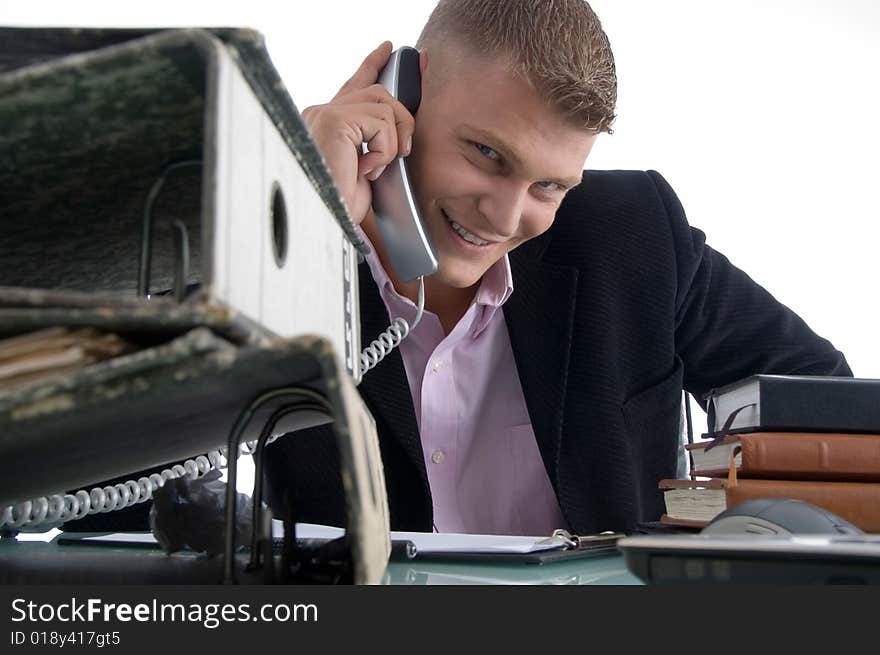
279 225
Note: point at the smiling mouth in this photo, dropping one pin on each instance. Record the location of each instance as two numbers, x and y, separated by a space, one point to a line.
464 234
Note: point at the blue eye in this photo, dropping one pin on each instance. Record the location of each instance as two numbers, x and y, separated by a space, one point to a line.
551 186
487 151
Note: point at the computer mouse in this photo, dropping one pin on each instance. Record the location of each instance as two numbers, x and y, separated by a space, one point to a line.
781 516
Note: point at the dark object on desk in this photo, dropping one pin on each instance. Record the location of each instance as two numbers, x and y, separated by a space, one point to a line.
661 527
753 559
189 513
778 516
809 403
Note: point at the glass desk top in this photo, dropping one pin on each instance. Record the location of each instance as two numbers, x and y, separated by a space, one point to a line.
33 562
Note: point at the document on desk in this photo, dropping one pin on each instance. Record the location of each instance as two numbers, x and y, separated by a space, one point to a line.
440 542
445 545
536 549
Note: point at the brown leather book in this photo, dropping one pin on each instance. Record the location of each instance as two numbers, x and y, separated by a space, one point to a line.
792 456
857 502
695 500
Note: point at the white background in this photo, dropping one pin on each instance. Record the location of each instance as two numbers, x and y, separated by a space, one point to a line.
763 115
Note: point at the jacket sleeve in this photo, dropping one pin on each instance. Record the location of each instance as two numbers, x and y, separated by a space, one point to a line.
727 326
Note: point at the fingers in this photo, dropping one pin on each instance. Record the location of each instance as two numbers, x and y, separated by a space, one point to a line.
372 123
363 86
368 72
403 121
379 133
363 112
372 165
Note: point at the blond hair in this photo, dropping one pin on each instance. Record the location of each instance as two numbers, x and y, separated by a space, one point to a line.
558 46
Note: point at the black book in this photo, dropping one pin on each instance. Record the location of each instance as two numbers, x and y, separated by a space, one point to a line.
808 403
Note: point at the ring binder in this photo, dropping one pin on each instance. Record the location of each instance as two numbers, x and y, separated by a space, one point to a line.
110 114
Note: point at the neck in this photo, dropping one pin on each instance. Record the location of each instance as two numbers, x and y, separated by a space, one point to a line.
447 302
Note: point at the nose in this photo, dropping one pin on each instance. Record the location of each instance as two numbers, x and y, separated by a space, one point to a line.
503 206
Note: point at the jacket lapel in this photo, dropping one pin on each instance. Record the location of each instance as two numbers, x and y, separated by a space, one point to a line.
540 317
385 388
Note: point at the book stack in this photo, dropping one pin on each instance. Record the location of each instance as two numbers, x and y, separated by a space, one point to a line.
810 438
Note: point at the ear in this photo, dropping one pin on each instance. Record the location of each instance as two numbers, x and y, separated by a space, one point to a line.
423 61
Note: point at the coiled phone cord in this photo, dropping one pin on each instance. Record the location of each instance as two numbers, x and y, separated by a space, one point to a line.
60 508
391 338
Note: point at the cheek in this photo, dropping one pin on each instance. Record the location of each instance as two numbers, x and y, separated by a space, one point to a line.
537 222
429 167
445 174
440 168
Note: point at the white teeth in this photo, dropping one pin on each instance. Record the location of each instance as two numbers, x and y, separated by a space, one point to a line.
467 236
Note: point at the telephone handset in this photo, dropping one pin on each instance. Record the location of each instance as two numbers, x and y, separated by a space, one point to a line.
406 238
401 227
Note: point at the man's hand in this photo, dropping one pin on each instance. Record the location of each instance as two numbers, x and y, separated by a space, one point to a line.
361 112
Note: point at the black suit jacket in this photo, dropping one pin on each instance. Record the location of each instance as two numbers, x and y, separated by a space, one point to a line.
615 309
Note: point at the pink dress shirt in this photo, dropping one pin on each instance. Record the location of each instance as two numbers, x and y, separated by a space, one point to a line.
484 468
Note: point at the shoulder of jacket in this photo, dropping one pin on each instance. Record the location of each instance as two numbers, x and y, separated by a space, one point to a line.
617 183
603 195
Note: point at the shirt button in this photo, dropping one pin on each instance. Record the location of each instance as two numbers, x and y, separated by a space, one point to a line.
438 456
437 364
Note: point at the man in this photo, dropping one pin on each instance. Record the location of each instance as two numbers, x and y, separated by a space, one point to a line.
542 387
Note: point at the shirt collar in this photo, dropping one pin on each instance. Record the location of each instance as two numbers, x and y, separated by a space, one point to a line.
494 290
496 285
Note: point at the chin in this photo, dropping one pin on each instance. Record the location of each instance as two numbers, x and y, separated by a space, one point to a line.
452 276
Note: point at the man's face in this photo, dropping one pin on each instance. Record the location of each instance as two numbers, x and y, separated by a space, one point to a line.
491 163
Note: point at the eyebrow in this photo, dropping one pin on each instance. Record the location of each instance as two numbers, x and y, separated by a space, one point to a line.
509 152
